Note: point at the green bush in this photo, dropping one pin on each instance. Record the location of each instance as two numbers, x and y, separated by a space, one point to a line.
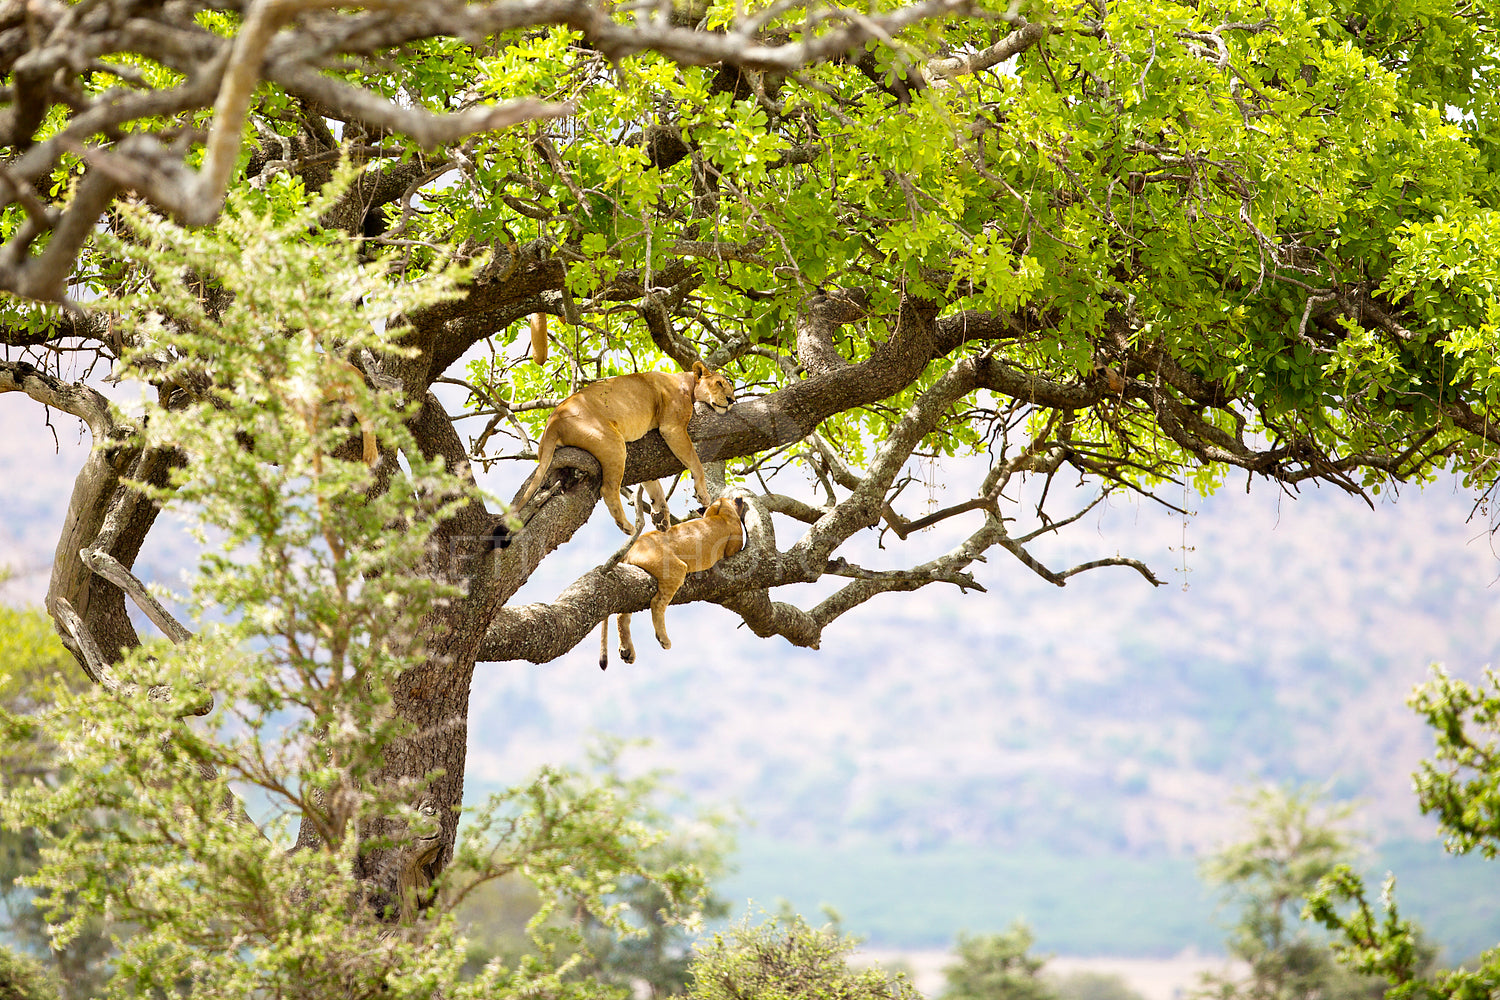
785 959
22 978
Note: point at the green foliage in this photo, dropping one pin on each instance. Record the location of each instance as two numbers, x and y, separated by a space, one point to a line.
785 959
1282 213
657 949
21 978
997 967
309 602
34 670
647 945
1201 161
1292 845
1249 189
1458 787
647 891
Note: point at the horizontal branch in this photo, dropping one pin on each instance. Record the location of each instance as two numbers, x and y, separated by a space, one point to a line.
427 129
79 400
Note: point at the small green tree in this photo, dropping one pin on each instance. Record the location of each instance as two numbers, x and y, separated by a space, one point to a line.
785 959
1460 785
313 603
997 967
22 978
1293 842
650 946
34 668
657 953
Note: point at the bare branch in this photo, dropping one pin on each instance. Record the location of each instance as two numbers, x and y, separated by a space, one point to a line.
659 325
75 398
1016 42
947 568
99 670
111 569
428 130
862 508
91 657
792 507
1134 564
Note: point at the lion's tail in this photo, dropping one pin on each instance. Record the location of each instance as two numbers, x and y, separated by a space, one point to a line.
604 643
539 338
545 450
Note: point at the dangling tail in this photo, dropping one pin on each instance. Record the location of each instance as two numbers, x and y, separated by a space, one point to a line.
539 338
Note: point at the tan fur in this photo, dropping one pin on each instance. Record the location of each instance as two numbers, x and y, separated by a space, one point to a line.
686 547
539 338
603 417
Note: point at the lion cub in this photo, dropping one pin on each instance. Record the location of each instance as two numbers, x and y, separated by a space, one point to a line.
603 417
685 547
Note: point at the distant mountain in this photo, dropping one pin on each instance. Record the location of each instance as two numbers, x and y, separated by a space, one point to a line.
1062 754
950 761
1106 714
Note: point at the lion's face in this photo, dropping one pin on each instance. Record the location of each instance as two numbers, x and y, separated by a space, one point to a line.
715 390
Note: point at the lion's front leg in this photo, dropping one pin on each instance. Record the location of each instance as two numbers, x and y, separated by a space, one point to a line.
682 446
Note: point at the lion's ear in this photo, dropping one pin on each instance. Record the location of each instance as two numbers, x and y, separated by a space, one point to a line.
700 369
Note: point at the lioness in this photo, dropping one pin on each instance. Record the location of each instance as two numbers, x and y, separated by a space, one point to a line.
685 547
603 417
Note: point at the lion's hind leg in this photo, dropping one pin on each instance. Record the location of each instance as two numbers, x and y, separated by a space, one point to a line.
611 455
673 572
627 646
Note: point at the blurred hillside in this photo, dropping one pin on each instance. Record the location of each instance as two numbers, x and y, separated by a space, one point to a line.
953 761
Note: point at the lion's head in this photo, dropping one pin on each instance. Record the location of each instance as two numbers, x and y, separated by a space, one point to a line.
731 507
713 388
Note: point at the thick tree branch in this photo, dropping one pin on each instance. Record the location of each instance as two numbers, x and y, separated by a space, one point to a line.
822 313
790 414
